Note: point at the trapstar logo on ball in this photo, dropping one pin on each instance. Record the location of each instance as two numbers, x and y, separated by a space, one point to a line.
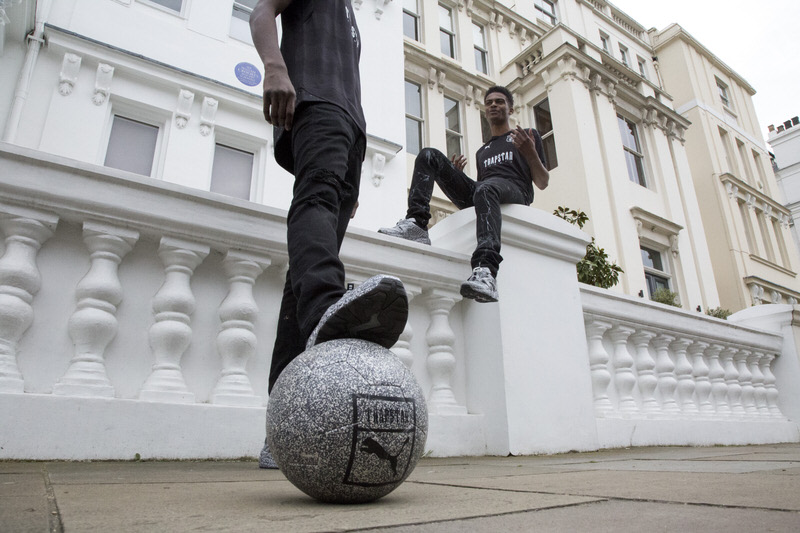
383 439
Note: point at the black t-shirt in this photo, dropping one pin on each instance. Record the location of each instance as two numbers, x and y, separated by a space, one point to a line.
321 46
499 158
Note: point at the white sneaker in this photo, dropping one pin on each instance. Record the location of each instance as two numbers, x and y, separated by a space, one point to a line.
407 229
481 286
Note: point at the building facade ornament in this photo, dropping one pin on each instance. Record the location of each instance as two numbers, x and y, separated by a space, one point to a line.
68 77
183 111
102 84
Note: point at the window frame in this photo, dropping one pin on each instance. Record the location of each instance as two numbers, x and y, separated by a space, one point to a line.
637 153
225 143
238 6
548 137
550 16
482 50
605 42
419 120
624 55
724 93
454 134
416 16
449 32
642 62
158 5
653 274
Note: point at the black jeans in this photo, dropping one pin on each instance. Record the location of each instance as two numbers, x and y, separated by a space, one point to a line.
486 196
328 149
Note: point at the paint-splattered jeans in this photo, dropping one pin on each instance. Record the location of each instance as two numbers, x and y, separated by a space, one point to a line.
328 150
432 166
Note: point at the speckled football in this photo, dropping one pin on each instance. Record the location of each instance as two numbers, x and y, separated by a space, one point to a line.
347 421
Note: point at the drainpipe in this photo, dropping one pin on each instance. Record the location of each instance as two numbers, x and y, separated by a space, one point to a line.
35 41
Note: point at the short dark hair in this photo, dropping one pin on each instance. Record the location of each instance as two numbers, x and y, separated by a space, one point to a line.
502 90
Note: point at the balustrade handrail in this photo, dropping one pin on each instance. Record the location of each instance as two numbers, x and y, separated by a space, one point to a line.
627 310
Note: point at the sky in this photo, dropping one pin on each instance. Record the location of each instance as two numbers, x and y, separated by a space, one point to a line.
760 41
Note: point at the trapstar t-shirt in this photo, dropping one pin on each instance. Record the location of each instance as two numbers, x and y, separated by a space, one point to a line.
321 46
499 158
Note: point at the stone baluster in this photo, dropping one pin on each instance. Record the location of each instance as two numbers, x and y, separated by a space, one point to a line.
646 369
236 342
171 334
624 378
402 348
700 373
716 376
769 385
746 381
729 355
441 362
759 391
20 280
94 325
683 372
598 361
665 370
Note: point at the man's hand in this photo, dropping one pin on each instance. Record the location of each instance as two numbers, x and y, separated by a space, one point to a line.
524 142
527 147
459 161
279 98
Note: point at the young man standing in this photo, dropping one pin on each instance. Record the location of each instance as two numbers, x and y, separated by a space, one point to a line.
312 98
508 164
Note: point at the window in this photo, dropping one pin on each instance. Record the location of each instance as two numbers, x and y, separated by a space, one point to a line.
414 119
546 10
131 146
633 152
723 93
452 124
172 5
623 55
486 129
776 227
604 43
240 20
642 67
743 155
232 172
481 53
726 144
411 19
655 273
447 34
544 124
764 229
748 227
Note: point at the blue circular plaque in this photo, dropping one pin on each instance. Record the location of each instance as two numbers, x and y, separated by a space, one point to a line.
248 74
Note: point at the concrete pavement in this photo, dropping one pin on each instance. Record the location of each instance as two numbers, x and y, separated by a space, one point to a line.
725 489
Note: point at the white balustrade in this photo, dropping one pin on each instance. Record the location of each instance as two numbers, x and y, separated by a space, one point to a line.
236 341
683 373
746 382
665 370
700 373
94 323
441 362
598 361
759 392
646 370
624 378
170 336
20 281
716 377
402 348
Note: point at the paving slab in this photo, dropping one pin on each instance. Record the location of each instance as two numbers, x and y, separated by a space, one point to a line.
619 517
763 491
275 506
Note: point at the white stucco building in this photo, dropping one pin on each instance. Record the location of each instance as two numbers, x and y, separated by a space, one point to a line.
785 143
143 217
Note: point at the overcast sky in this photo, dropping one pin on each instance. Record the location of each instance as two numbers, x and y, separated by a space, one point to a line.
758 40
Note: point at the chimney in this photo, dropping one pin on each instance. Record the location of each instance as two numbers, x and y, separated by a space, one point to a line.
795 121
771 128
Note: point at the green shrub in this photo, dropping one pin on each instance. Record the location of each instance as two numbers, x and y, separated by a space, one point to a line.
595 268
719 312
665 296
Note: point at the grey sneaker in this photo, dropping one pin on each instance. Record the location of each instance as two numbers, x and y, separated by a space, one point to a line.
481 286
407 229
375 311
265 460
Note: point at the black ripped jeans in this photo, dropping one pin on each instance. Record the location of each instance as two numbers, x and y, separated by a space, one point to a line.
328 150
486 196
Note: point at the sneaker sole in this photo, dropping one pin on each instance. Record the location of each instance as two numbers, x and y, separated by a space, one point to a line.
420 240
378 315
468 292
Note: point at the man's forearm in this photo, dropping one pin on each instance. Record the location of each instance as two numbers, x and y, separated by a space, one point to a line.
264 30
